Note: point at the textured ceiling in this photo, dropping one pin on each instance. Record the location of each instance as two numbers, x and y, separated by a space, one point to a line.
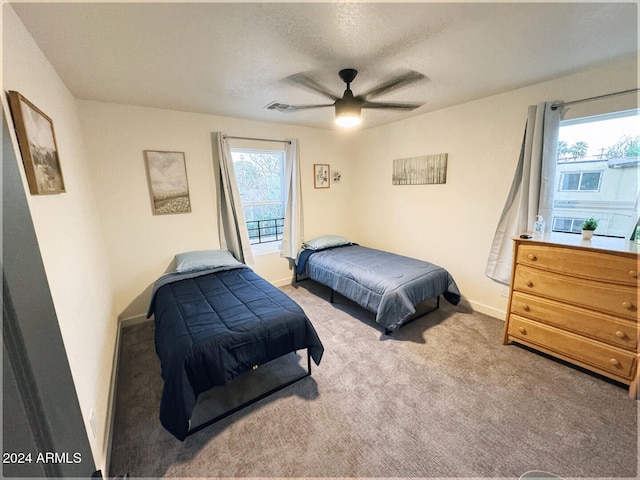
232 59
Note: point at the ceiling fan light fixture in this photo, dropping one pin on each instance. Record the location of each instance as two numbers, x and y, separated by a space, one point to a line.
348 120
348 113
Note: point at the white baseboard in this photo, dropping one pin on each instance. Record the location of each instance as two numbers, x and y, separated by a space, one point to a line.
112 401
486 309
134 320
283 282
113 387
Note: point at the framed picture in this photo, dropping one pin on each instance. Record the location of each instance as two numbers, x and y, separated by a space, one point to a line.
336 176
168 186
320 175
423 170
38 147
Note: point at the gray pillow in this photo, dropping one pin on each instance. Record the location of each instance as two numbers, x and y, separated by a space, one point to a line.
204 259
325 241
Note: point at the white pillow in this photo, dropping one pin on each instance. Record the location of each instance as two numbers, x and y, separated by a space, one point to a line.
204 259
325 241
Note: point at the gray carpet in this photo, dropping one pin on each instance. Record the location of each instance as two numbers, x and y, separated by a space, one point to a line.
439 398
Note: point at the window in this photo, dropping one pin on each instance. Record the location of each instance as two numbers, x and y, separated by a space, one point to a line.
580 181
597 173
260 177
564 224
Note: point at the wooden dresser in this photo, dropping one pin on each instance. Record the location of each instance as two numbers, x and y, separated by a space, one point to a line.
578 300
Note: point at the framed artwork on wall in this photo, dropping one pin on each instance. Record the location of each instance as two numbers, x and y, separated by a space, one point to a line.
336 176
168 186
321 175
423 170
37 142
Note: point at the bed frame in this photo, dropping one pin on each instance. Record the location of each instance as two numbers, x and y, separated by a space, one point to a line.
250 402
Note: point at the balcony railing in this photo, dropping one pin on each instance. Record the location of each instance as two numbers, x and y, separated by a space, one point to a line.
265 231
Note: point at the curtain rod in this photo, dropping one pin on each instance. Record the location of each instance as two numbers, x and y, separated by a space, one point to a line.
257 139
615 94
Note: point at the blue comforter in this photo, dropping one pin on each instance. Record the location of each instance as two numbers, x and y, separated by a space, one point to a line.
387 284
213 325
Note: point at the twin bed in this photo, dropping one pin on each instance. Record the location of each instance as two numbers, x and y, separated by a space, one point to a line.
215 318
389 285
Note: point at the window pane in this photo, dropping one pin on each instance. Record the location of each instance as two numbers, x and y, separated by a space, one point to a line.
590 181
570 181
260 177
597 173
562 224
263 212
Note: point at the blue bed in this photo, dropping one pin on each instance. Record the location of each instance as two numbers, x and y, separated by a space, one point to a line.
214 321
389 285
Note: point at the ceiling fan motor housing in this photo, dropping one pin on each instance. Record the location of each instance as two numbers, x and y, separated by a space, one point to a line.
348 75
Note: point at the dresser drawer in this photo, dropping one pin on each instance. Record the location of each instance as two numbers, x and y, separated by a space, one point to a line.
573 347
618 300
596 325
580 263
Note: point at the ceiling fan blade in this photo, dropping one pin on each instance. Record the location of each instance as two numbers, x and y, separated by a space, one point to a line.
392 106
401 81
293 108
302 79
284 107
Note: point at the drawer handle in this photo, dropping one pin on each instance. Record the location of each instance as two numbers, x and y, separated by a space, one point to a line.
526 308
531 256
522 330
621 334
627 305
633 273
530 284
614 362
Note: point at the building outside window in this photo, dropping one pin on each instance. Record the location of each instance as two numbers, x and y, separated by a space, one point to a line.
260 177
597 173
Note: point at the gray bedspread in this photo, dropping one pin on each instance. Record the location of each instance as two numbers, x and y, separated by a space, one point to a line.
387 284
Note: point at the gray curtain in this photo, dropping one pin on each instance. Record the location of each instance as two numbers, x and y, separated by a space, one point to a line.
293 231
531 191
232 227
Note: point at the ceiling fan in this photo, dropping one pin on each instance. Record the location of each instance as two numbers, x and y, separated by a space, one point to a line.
348 106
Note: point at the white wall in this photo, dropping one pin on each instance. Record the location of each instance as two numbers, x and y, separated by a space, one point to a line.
141 245
453 224
68 230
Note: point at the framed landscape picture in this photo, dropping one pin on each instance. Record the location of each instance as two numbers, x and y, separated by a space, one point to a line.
423 170
168 186
321 175
37 142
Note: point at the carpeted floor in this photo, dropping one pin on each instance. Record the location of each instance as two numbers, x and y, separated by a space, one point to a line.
439 398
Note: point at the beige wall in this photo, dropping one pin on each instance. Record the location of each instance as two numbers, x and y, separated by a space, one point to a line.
141 245
69 232
453 224
102 248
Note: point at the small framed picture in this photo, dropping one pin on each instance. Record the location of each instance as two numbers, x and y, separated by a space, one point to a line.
336 176
168 186
321 175
38 147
